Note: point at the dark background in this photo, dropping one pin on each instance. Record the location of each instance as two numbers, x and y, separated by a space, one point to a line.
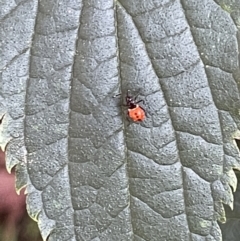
15 224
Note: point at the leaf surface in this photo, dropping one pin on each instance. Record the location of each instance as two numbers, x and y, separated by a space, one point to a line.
89 175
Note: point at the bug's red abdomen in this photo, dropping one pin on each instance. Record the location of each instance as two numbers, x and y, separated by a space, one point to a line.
137 113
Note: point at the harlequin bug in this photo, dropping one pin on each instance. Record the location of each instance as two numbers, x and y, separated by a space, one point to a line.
135 112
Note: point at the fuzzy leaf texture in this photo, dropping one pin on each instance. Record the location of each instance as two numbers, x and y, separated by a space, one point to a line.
89 175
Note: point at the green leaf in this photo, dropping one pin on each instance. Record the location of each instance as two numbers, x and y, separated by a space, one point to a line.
88 173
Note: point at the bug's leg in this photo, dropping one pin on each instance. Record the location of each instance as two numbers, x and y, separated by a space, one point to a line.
142 108
140 101
135 98
117 95
146 113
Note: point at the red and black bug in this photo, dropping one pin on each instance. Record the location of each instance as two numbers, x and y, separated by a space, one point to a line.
135 112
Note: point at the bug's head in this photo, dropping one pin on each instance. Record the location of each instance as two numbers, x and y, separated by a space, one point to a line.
130 101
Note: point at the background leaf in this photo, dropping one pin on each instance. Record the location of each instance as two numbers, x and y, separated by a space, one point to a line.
91 176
